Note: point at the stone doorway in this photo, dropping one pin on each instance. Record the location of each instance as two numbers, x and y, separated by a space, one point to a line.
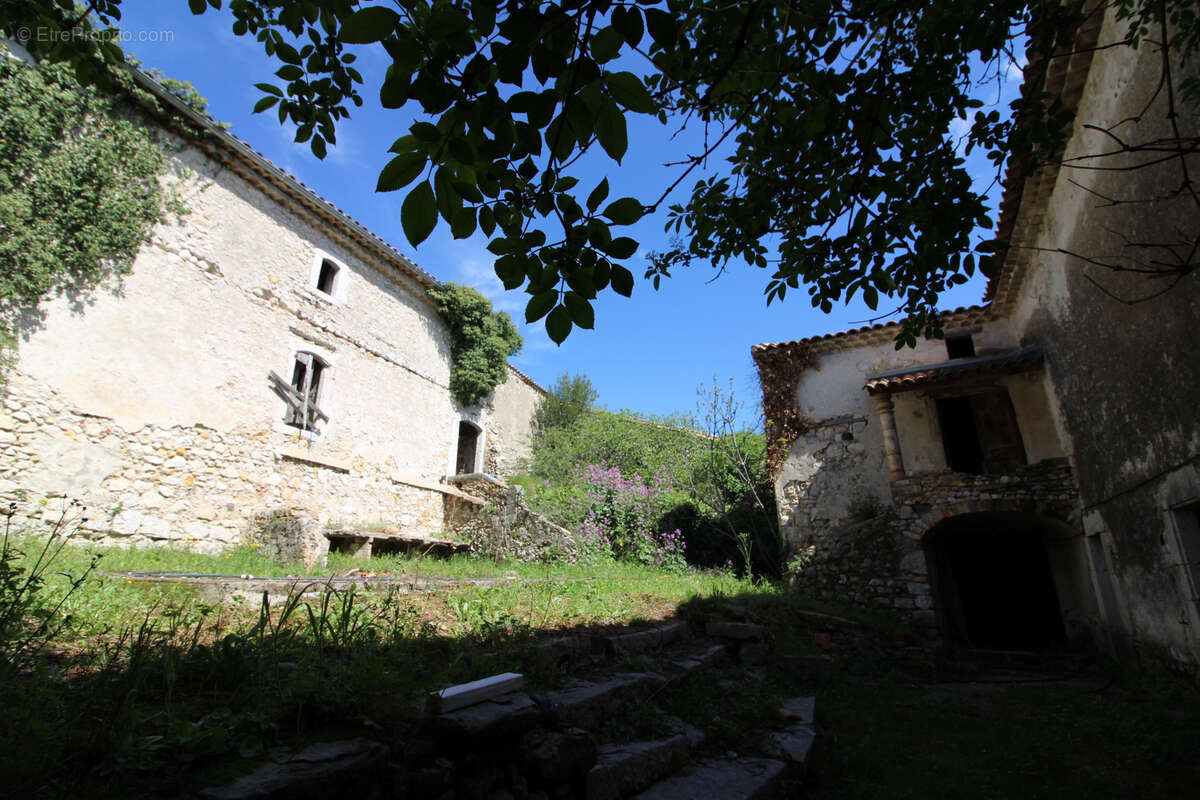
993 581
468 445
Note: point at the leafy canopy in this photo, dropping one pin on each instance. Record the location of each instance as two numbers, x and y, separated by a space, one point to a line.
843 175
481 341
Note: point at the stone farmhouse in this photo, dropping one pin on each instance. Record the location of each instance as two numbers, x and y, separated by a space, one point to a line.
266 353
1031 479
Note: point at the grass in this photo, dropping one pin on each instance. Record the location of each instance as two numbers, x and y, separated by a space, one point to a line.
150 683
150 689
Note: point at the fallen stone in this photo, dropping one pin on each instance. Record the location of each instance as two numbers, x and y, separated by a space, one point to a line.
740 631
316 771
721 779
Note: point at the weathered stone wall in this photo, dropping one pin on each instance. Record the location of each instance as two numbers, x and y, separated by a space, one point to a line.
149 400
880 563
1123 365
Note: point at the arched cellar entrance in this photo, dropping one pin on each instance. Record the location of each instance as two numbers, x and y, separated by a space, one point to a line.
995 581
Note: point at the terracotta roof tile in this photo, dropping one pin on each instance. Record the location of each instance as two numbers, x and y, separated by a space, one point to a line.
907 378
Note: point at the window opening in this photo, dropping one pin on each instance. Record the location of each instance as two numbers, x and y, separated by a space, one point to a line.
302 392
960 347
980 434
327 276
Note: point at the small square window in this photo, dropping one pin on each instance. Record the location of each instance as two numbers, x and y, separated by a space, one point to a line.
327 277
960 347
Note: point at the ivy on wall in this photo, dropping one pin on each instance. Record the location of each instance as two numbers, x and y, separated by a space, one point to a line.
481 341
79 185
779 369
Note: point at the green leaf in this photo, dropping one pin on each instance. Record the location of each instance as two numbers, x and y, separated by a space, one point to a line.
289 72
558 324
367 25
269 89
621 280
622 247
598 195
510 270
580 310
418 215
400 171
265 103
448 201
318 146
625 211
463 224
663 27
539 305
197 6
870 297
628 90
287 53
394 91
606 44
629 22
487 220
611 131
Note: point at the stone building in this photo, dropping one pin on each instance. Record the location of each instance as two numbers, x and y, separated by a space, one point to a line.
266 352
1032 478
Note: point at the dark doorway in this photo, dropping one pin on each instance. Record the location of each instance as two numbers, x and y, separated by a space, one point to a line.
980 433
993 582
468 440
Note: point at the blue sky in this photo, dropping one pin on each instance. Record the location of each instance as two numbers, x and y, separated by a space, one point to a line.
647 353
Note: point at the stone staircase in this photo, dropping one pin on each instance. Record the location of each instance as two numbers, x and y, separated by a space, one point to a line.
537 745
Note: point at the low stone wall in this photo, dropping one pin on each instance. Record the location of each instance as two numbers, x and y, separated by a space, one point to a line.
190 485
880 563
506 527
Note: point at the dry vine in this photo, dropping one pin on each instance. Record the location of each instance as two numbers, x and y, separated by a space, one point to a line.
780 367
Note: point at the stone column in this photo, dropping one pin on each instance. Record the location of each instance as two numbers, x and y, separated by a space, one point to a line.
891 441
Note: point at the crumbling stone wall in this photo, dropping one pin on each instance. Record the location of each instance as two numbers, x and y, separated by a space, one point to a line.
506 528
828 470
289 535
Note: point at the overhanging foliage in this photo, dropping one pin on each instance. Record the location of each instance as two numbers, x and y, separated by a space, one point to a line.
481 341
79 185
844 178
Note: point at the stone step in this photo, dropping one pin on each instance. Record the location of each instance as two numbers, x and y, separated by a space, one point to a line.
640 641
793 743
622 769
508 715
319 770
696 657
722 779
583 704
